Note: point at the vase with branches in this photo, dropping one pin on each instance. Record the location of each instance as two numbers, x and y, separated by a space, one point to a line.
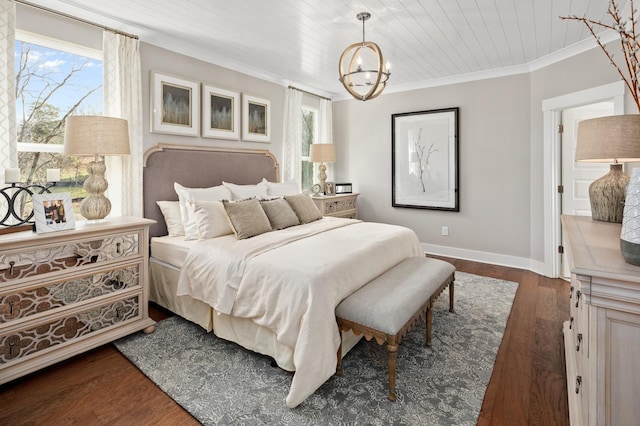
629 66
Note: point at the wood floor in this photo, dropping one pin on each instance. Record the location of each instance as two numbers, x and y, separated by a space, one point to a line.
102 387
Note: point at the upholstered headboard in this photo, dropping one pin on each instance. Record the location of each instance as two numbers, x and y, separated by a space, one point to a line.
198 167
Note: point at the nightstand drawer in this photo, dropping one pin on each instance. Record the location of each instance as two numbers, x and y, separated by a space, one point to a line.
34 338
338 205
26 302
27 262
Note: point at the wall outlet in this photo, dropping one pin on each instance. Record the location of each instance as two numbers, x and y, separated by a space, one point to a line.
445 230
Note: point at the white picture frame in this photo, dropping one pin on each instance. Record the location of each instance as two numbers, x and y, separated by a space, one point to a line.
220 113
49 218
175 105
256 119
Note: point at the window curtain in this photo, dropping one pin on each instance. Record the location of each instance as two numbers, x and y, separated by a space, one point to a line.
123 99
8 135
325 132
292 149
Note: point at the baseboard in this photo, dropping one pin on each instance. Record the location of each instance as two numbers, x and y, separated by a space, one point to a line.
485 257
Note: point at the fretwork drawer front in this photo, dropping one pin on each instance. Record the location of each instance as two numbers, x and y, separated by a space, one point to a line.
58 331
333 207
26 302
23 263
63 293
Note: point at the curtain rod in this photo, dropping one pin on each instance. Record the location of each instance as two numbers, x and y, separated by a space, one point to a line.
309 93
75 18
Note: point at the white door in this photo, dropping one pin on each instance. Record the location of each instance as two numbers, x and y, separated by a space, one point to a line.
577 176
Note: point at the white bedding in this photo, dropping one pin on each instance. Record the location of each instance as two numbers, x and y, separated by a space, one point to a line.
171 250
290 281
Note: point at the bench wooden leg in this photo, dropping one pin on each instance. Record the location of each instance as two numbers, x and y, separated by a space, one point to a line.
451 296
429 325
392 351
339 365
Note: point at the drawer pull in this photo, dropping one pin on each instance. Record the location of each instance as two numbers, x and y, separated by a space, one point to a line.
578 294
571 292
11 265
570 323
118 248
11 308
579 342
578 383
11 348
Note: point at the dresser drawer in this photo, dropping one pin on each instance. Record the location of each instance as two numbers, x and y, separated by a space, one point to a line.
54 333
27 262
26 302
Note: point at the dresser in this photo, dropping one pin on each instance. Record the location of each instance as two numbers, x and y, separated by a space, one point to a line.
602 336
338 205
63 293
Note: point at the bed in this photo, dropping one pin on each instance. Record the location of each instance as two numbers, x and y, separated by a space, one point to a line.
232 286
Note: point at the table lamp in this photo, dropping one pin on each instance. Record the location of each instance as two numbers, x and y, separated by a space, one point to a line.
322 153
96 136
615 140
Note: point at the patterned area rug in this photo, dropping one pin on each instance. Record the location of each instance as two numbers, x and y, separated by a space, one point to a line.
221 383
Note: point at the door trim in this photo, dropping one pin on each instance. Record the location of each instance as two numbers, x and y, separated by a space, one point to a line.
552 109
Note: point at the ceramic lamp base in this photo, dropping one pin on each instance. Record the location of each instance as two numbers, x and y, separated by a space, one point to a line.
607 195
95 205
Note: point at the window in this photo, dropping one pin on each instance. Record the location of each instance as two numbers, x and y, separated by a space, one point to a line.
54 79
309 133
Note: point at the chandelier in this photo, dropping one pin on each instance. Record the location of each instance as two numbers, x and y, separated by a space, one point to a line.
367 74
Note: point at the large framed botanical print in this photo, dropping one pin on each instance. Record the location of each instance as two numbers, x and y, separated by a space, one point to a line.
424 168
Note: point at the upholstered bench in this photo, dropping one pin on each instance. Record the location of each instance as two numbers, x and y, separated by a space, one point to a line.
390 305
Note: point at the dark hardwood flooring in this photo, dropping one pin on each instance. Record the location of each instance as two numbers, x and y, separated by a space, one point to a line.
101 387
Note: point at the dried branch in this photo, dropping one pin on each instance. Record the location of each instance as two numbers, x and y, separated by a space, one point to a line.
629 70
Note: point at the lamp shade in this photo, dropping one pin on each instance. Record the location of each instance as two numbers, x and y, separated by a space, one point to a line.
96 135
609 139
322 153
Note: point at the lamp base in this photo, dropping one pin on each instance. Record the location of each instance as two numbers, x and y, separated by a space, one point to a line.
630 251
95 205
607 195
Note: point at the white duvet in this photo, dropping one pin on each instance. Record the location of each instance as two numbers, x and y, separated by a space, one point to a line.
291 280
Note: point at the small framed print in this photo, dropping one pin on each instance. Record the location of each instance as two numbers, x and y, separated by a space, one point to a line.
175 105
329 188
256 119
220 113
53 212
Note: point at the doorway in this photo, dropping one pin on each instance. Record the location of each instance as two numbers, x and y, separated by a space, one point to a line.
553 109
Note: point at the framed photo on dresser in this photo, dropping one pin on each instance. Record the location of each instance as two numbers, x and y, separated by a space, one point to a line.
53 212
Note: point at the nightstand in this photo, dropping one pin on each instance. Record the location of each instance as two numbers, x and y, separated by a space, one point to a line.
338 205
63 293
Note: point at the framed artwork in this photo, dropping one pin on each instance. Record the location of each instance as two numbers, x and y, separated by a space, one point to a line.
220 113
256 119
424 165
53 212
175 105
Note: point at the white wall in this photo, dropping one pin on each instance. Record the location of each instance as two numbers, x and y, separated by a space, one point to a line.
494 123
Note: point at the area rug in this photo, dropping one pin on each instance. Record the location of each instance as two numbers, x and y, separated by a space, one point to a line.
219 382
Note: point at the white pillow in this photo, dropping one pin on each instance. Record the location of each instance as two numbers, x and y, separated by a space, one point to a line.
241 192
172 217
275 189
211 219
215 193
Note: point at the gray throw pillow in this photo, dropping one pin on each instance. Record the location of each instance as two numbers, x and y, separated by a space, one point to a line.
304 207
280 214
247 219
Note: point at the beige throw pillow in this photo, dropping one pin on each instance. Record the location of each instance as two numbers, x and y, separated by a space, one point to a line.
280 214
304 207
247 218
172 217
